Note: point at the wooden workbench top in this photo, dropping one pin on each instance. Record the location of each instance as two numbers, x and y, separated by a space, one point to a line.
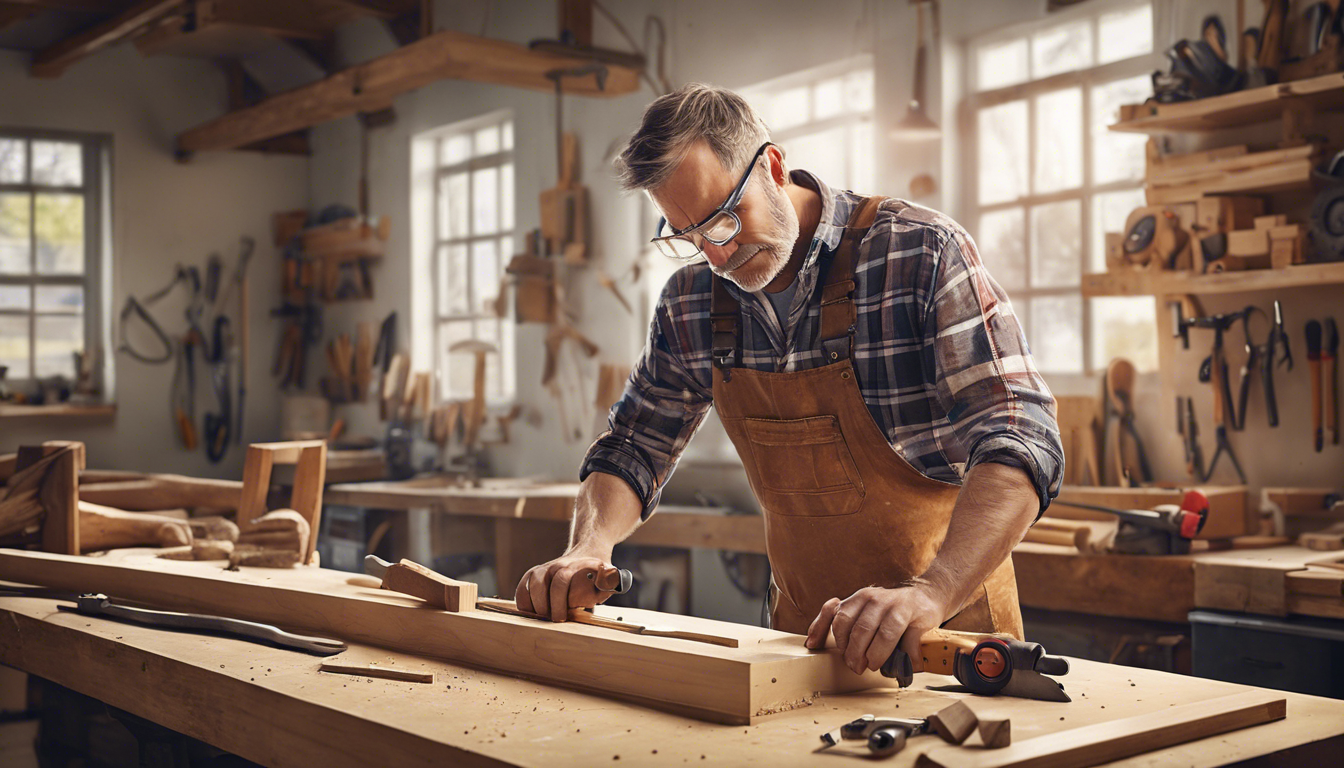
273 706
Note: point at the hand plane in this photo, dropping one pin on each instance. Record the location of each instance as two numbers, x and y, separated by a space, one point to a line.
986 664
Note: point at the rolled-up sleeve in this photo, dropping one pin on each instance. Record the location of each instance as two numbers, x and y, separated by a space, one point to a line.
659 411
998 404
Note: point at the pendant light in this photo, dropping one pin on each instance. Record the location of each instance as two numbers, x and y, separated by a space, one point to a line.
917 125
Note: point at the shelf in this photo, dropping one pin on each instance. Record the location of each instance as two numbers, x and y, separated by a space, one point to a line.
1257 105
1168 283
10 411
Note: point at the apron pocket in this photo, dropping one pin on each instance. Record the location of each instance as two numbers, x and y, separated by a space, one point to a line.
805 467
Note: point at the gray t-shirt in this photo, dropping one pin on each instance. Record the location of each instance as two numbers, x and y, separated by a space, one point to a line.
781 302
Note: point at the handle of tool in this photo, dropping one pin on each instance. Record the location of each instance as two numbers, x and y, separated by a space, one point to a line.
939 648
186 429
1329 399
1267 380
411 578
1222 399
1316 403
611 579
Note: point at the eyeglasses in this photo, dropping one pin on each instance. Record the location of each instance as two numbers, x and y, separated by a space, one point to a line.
718 228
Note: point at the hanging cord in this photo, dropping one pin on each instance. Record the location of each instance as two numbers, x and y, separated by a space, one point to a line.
136 307
663 86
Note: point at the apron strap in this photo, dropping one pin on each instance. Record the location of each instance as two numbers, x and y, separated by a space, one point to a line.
837 294
725 342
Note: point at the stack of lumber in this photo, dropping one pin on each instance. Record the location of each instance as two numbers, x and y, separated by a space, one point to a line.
1276 582
1186 178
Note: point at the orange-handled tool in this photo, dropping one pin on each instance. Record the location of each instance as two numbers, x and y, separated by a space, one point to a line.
607 578
985 664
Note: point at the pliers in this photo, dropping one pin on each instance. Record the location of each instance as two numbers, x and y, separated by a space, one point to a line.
1262 356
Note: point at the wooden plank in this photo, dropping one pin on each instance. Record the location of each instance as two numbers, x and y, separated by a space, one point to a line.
371 86
382 673
1232 586
1103 743
1255 105
53 61
256 484
699 680
156 492
306 496
1279 177
1129 586
1134 283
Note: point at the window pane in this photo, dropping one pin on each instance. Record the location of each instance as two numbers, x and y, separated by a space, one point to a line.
58 338
1109 212
1117 156
485 201
1056 244
1065 48
487 140
59 222
57 163
1124 34
506 134
15 297
1002 64
14 346
1057 333
484 274
453 206
15 234
1003 247
1124 326
456 373
506 248
1059 140
859 90
60 298
452 268
506 197
828 98
787 109
454 149
13 160
1003 152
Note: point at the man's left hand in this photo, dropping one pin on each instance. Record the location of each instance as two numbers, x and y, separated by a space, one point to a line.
873 621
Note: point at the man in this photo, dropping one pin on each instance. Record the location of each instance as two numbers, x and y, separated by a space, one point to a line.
869 371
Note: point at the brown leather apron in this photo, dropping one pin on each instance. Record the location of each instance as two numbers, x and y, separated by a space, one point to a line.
843 510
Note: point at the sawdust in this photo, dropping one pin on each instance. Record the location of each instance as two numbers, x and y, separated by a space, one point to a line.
786 706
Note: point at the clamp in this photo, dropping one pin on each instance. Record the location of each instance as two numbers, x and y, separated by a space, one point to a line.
884 735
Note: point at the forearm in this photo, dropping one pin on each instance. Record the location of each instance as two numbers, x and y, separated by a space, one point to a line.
607 511
996 505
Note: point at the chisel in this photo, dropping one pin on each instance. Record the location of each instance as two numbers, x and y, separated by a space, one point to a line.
1313 332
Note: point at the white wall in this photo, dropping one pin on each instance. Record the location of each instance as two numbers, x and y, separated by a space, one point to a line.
163 213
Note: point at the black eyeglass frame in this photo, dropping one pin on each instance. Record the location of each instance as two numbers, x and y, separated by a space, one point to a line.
727 207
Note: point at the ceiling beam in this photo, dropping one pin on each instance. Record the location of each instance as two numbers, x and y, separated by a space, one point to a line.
373 85
53 61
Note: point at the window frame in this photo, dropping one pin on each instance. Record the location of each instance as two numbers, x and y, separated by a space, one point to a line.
95 189
499 159
1086 80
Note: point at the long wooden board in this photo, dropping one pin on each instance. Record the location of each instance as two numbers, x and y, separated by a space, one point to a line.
770 671
1104 742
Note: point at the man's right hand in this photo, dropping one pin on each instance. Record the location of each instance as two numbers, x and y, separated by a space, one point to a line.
552 589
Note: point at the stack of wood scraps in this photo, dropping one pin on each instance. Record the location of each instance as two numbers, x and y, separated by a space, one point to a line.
1230 170
343 251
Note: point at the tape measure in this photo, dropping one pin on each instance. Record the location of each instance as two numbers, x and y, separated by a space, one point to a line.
1153 236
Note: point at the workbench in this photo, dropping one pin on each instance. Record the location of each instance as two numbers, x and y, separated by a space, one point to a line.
272 706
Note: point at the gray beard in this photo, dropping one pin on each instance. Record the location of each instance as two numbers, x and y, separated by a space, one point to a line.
778 245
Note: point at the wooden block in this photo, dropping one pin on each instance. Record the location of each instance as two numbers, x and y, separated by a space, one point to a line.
1270 222
1235 586
1226 213
953 723
1110 741
1248 242
770 672
381 673
996 734
434 588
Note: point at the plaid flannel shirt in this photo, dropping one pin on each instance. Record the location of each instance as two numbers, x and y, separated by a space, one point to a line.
940 358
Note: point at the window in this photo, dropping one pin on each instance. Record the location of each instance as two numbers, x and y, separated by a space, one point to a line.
473 241
50 266
1047 179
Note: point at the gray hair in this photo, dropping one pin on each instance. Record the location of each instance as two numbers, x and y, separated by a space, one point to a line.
674 122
